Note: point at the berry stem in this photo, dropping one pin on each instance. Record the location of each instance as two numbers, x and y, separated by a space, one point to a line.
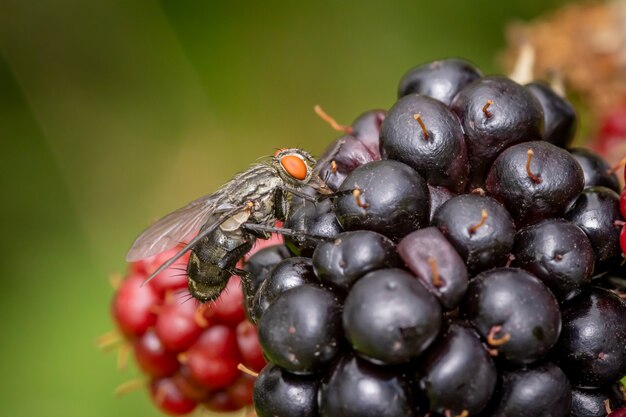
418 118
483 218
617 166
128 387
199 317
607 406
436 280
122 356
493 339
108 340
243 368
333 166
331 121
359 199
532 176
486 111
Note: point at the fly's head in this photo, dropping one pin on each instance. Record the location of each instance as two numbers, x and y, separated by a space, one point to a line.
294 166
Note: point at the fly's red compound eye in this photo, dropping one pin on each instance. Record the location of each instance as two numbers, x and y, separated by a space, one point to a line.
294 166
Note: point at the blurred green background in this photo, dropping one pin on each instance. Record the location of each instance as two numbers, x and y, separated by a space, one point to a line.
113 113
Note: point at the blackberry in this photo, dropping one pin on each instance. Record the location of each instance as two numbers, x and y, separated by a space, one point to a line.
466 261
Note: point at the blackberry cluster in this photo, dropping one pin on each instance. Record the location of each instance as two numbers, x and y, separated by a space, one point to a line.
468 264
188 355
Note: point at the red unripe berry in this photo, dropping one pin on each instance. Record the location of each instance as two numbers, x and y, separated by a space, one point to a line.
249 347
622 239
213 359
177 326
132 307
173 278
189 387
152 357
622 203
228 308
169 399
242 391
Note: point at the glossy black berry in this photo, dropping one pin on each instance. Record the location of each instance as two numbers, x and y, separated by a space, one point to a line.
592 403
287 274
457 374
436 264
496 113
592 347
441 80
514 312
535 181
539 391
424 134
279 393
559 116
595 212
558 253
387 197
351 255
259 266
479 228
317 219
595 170
301 330
389 317
357 388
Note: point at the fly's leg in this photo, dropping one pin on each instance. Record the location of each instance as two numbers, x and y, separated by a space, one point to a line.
247 286
295 234
298 193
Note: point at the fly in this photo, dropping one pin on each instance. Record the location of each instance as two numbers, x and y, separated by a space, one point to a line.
230 220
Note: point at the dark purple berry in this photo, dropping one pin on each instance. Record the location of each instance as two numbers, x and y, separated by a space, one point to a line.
457 373
389 317
592 347
341 157
351 255
366 128
479 228
558 114
596 171
357 388
387 197
496 113
514 312
438 196
436 264
441 80
558 253
424 134
279 393
595 212
301 330
539 391
535 181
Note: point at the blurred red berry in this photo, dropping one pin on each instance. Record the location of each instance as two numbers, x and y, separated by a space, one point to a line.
221 402
133 307
177 326
242 391
213 359
228 308
169 398
248 342
153 358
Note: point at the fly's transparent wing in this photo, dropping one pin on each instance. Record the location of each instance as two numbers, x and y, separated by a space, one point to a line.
173 228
